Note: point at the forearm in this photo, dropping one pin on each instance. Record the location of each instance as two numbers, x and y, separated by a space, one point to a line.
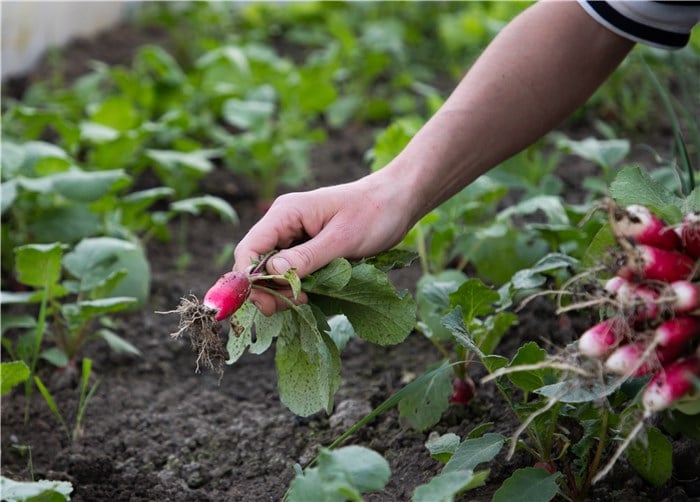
544 65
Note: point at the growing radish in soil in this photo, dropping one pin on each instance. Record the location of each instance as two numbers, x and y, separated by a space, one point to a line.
464 391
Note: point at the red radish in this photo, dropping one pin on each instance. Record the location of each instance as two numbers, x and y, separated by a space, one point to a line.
464 391
687 296
648 262
639 301
690 234
628 357
229 292
682 297
602 338
644 227
617 284
670 384
547 466
678 331
671 338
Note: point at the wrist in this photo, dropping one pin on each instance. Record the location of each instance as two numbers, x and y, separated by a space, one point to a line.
402 191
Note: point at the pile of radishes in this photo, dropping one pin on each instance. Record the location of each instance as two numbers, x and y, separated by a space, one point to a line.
655 325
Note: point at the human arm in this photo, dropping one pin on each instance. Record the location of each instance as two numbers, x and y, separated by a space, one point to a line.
537 71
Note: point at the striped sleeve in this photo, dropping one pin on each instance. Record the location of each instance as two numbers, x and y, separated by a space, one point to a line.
662 24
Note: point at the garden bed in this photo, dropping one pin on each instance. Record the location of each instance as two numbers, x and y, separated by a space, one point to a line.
156 430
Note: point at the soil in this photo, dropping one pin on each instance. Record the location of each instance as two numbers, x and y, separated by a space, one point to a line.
155 430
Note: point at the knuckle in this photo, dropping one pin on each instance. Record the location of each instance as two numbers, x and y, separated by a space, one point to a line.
306 256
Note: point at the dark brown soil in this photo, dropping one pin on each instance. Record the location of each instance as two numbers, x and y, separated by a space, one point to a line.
157 431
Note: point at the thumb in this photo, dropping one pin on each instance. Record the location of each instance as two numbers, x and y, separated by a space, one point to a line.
305 258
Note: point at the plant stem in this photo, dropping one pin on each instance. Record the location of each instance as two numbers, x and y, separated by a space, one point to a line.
422 251
440 347
263 261
593 466
38 337
547 447
85 396
273 292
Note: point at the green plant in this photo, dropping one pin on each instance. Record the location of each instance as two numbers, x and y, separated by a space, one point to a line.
86 393
269 117
69 302
306 355
19 491
435 296
345 473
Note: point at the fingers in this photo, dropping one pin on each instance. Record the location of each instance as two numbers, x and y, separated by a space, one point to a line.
313 254
286 222
310 229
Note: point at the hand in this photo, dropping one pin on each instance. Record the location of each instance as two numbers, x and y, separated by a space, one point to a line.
310 229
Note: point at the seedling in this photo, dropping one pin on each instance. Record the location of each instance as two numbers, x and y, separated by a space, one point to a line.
86 393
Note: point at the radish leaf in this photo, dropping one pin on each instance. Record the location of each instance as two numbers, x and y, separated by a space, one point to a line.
423 406
529 484
377 312
652 458
308 363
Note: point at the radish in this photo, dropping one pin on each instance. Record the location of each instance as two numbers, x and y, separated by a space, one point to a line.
677 331
226 296
641 301
648 262
463 391
615 284
680 297
644 227
670 340
687 296
690 234
602 338
670 384
627 360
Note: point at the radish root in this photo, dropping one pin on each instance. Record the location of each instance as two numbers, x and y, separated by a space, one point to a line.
199 322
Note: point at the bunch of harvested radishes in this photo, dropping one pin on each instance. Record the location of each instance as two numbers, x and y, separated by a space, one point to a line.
654 327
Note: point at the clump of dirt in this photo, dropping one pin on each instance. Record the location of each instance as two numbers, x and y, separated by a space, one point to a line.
198 321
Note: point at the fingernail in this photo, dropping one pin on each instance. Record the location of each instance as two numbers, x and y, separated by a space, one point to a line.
279 265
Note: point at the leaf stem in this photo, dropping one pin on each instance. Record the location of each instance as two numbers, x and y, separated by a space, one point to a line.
38 337
275 293
263 261
593 467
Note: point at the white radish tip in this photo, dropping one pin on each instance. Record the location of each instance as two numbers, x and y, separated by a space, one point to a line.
615 284
208 303
655 399
623 359
687 296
